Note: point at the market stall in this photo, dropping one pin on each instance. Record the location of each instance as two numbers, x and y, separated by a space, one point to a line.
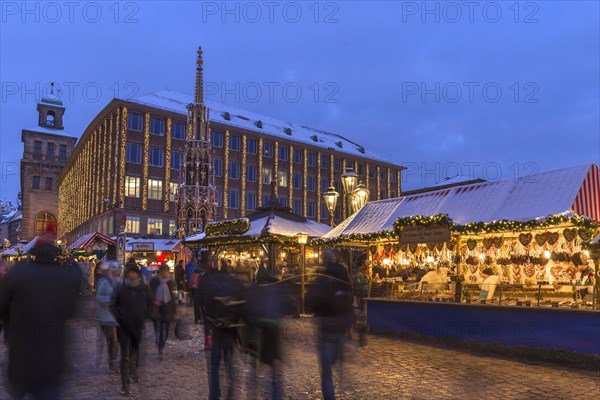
510 243
270 235
153 252
93 245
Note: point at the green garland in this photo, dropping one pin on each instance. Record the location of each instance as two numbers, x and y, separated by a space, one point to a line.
499 226
228 227
235 241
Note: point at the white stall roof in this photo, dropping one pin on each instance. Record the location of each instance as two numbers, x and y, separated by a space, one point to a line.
526 198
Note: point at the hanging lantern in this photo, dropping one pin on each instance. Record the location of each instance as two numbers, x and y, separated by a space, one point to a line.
360 197
349 180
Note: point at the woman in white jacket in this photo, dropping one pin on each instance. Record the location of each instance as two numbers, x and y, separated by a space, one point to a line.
489 284
109 280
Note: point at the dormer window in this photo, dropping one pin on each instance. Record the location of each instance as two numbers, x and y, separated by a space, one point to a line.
50 118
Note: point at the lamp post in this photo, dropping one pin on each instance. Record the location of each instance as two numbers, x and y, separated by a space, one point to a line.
349 183
302 239
360 197
331 198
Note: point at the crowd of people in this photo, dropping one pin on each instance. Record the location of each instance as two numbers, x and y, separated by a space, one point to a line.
236 316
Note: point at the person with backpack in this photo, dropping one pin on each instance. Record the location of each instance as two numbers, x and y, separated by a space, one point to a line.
331 299
222 298
107 282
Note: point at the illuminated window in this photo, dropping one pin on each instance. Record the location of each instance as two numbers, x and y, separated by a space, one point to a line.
267 175
132 186
155 191
282 178
172 227
132 224
155 226
173 188
44 221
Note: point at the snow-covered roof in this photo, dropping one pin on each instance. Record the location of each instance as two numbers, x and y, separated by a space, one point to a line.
159 244
42 129
8 216
14 249
277 225
89 239
177 102
454 180
523 199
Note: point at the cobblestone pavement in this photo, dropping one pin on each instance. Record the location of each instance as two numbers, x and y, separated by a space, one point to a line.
386 368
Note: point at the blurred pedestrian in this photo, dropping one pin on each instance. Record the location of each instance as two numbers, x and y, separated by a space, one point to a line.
193 284
164 306
223 296
189 270
108 281
331 299
130 307
180 282
38 296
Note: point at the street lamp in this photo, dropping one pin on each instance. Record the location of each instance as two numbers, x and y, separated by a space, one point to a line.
331 199
302 239
360 197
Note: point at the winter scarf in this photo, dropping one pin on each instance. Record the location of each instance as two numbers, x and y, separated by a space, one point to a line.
133 282
163 294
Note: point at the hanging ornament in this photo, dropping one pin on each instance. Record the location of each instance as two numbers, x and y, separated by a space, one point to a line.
584 234
373 250
552 238
451 245
413 248
540 239
487 243
498 240
471 244
570 234
525 239
396 247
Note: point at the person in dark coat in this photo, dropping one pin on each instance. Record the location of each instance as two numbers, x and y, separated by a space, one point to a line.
222 299
163 297
180 281
130 307
38 296
331 298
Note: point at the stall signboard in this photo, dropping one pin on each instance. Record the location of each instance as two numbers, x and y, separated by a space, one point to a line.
121 240
142 246
425 234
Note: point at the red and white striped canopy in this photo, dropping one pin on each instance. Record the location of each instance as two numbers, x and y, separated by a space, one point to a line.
90 239
587 201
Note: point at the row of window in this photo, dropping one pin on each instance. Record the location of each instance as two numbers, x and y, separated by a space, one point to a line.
50 149
36 183
135 122
154 226
155 188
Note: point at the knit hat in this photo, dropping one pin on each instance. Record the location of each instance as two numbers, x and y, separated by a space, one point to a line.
163 267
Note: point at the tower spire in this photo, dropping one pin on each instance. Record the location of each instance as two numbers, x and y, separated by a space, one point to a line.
199 94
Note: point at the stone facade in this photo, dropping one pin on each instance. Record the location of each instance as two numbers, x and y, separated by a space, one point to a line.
46 149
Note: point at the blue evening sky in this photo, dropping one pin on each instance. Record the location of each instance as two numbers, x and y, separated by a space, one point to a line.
483 89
